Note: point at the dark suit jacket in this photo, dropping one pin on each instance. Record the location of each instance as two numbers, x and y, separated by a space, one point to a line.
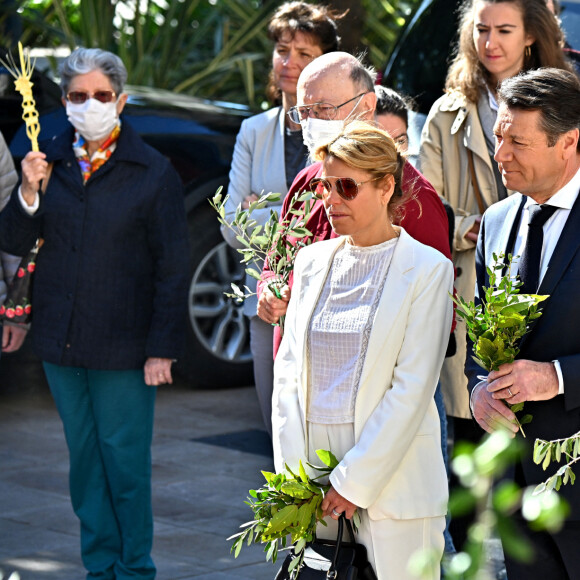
555 335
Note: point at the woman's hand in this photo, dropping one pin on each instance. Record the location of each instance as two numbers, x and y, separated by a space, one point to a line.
34 170
248 200
158 371
12 337
333 504
270 307
474 231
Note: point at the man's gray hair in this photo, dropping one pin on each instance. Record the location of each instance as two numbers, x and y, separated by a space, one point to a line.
362 77
554 92
86 60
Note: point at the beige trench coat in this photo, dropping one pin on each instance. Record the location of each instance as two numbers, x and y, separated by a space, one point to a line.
452 128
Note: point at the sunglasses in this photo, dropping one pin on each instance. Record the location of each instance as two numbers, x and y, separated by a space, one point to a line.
346 187
80 97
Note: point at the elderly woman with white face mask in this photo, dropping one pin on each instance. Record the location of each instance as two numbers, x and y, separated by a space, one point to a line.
109 298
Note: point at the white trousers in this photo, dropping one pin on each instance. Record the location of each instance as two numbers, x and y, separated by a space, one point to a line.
390 543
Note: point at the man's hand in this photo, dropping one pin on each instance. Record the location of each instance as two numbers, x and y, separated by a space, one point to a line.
333 503
271 308
524 380
158 371
12 337
490 413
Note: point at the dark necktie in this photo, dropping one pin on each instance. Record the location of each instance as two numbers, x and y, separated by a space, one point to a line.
529 268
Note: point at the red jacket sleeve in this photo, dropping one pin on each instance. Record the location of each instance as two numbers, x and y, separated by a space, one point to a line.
424 216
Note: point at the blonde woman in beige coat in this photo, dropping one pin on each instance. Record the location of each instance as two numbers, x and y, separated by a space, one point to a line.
498 39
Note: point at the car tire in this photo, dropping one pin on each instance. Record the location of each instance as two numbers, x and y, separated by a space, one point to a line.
218 334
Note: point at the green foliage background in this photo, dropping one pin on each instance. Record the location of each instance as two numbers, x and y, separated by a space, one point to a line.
208 48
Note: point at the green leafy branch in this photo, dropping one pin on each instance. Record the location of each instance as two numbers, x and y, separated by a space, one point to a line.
270 243
545 452
494 500
497 325
287 506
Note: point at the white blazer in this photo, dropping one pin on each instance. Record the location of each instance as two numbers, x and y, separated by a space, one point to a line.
395 469
258 166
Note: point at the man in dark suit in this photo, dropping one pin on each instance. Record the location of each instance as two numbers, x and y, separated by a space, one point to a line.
538 152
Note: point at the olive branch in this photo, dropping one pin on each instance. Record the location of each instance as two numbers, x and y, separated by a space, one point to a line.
547 451
288 505
270 243
496 326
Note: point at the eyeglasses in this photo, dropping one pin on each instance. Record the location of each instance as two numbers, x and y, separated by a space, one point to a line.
80 97
346 187
324 111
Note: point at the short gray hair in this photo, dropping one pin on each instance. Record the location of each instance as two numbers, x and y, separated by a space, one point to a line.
86 60
362 78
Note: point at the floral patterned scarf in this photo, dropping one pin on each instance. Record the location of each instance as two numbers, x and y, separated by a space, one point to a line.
100 157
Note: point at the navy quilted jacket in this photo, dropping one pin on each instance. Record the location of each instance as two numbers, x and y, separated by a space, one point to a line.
110 285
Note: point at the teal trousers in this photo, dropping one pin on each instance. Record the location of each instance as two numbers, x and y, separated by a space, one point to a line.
108 425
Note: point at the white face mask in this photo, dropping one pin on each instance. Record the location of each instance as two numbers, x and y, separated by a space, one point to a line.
93 120
318 131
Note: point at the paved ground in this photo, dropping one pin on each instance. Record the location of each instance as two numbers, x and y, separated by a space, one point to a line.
208 450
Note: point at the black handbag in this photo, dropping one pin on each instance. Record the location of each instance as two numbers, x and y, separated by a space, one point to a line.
332 560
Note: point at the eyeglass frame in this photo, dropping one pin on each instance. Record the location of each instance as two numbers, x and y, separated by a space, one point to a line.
338 179
294 112
89 96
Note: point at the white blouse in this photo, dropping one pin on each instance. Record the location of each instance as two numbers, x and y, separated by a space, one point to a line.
340 327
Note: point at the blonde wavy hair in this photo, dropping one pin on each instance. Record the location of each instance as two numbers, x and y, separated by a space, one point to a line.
364 146
469 76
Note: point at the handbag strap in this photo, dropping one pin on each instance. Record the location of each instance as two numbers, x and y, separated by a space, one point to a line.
474 183
332 571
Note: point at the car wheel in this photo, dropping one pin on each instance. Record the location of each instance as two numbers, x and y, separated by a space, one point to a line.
218 334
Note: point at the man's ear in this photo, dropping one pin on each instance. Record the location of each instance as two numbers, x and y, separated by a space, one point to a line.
569 142
369 103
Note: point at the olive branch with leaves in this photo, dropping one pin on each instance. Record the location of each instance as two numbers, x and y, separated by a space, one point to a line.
287 506
271 243
496 326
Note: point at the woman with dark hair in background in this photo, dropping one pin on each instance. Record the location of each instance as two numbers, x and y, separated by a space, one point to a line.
269 152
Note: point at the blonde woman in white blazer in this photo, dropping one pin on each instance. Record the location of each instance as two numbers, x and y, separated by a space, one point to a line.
269 152
364 340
